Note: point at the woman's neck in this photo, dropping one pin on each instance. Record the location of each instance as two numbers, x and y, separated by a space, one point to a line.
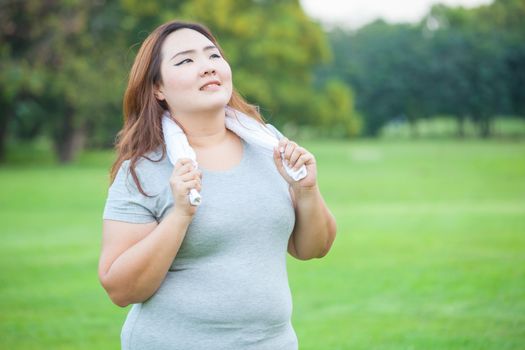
204 130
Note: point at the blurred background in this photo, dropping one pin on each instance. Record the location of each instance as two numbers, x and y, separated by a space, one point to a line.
415 111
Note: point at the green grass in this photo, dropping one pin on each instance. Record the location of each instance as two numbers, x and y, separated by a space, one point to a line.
430 252
505 127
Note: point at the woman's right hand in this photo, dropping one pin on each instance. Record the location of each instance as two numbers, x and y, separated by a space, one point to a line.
184 177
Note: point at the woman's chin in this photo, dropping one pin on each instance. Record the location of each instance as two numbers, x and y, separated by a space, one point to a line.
212 108
217 104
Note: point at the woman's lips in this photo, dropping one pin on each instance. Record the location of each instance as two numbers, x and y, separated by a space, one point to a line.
211 87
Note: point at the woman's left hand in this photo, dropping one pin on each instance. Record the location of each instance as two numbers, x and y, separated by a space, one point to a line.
296 156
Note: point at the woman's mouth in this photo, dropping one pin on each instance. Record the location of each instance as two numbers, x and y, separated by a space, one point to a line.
211 86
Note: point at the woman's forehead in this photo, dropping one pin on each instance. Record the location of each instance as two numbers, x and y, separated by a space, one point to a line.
183 40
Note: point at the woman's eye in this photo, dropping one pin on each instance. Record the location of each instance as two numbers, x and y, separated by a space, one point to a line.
184 61
215 56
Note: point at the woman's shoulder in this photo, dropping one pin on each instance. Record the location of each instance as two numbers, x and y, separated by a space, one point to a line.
152 170
125 201
154 159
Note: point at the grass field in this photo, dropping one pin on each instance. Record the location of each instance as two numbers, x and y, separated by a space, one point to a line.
430 252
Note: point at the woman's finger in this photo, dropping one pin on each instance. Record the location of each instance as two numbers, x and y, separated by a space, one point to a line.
279 164
303 160
197 187
290 147
188 185
182 161
282 145
298 152
191 175
183 169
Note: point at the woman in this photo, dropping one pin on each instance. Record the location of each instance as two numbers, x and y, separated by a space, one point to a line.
211 276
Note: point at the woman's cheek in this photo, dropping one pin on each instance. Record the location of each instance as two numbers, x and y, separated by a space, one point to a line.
227 76
226 70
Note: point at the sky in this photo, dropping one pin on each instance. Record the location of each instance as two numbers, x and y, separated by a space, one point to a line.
355 13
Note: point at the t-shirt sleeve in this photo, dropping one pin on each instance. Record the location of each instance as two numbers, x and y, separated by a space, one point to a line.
125 202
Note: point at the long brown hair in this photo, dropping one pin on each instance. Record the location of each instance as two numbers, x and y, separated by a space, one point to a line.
142 130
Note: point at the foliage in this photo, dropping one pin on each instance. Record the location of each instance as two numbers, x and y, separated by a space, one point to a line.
68 69
469 63
64 74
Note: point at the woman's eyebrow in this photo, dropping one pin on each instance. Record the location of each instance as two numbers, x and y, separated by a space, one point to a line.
210 47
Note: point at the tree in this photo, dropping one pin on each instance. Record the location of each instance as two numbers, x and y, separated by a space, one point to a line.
64 74
65 66
384 64
335 112
272 47
468 69
469 63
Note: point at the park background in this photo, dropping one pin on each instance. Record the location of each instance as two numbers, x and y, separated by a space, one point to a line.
419 133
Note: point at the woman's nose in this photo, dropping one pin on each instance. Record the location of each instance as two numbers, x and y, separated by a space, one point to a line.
207 69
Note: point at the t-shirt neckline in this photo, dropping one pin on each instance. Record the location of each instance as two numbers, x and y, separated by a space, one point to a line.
233 169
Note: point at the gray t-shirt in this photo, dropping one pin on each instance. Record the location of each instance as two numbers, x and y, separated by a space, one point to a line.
227 288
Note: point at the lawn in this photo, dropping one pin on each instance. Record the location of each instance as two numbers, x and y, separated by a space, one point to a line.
430 252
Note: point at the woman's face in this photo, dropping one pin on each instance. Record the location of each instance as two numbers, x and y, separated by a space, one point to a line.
195 77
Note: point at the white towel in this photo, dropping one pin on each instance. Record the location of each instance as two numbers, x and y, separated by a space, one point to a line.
247 128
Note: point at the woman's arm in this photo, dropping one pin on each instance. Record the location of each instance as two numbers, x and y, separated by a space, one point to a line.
136 257
315 227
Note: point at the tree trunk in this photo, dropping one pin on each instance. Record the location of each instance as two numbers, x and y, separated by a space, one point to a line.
69 140
414 132
485 128
461 127
4 123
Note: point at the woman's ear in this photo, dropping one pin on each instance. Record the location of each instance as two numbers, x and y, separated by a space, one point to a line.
159 95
